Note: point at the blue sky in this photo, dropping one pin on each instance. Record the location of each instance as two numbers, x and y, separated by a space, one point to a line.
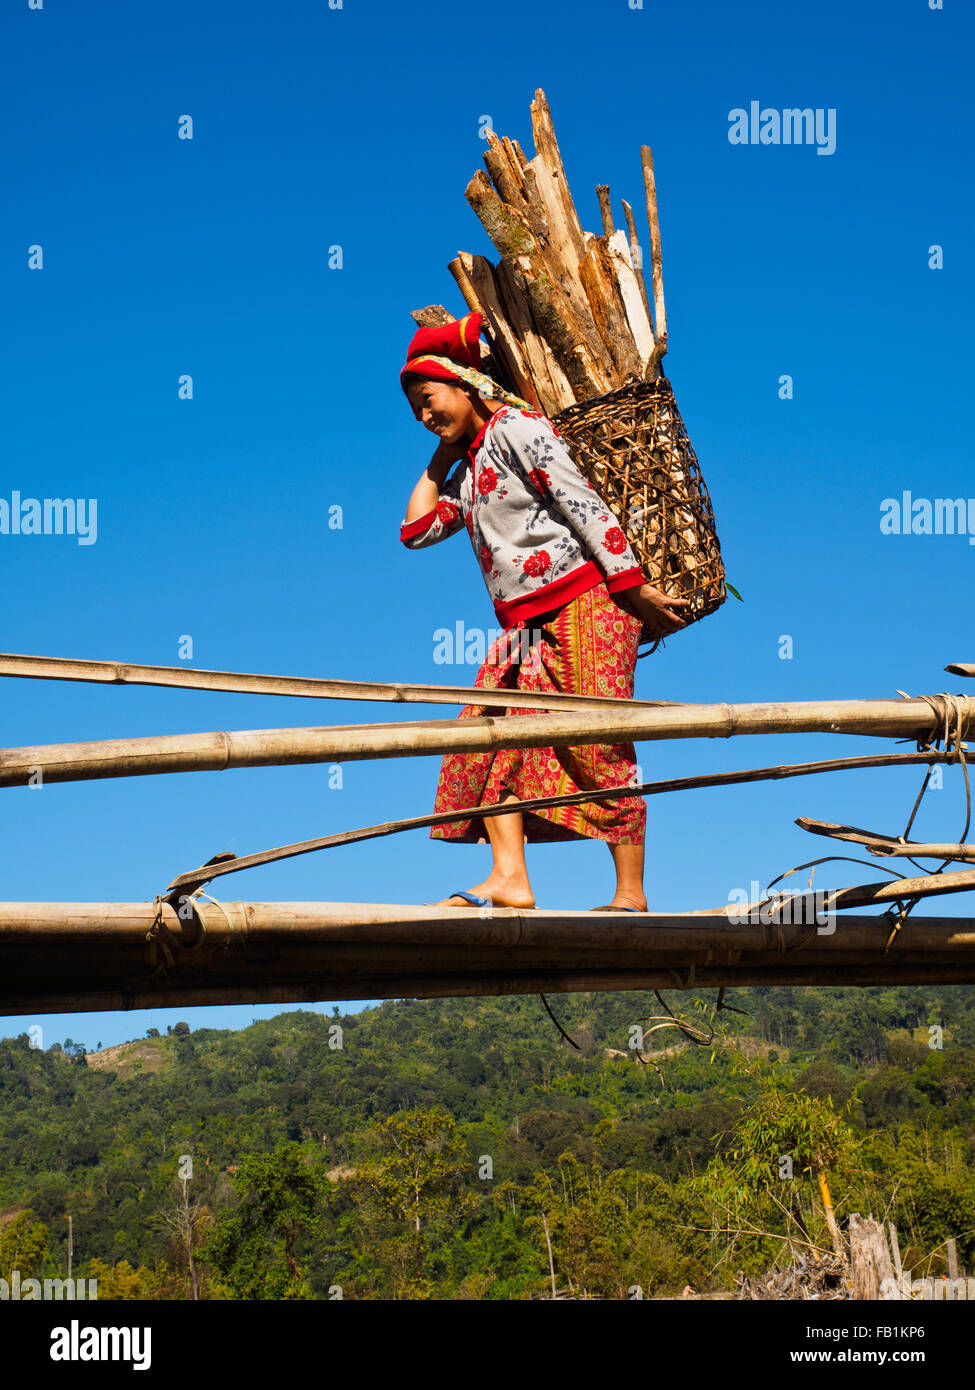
359 127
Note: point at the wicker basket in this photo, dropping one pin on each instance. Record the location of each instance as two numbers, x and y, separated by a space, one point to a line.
631 445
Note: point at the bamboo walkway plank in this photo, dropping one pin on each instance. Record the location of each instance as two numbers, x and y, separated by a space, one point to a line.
67 957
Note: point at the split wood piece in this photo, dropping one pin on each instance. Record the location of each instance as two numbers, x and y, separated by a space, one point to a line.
553 185
522 157
636 256
656 261
629 288
205 873
63 668
598 276
476 282
505 174
220 750
886 845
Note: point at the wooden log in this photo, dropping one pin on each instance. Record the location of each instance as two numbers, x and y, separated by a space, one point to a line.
433 316
552 386
272 747
475 279
519 187
564 245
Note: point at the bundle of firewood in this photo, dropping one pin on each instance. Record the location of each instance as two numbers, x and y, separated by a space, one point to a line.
566 312
570 328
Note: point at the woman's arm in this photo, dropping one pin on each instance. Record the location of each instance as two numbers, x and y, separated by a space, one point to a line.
434 511
427 491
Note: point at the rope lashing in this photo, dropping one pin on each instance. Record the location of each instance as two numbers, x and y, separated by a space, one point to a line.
955 713
164 944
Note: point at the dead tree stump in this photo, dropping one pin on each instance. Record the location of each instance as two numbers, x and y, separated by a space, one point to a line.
870 1262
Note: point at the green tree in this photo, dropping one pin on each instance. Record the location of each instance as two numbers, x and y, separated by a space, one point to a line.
421 1166
23 1246
279 1216
414 1182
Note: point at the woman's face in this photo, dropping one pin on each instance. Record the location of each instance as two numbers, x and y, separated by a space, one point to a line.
445 410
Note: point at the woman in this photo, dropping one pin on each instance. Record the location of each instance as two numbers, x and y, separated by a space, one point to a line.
568 592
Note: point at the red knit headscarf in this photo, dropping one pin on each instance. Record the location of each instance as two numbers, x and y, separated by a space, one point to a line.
457 340
451 352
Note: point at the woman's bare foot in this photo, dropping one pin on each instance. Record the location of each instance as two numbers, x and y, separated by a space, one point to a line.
504 890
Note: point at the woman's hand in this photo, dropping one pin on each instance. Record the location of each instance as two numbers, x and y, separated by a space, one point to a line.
655 608
446 453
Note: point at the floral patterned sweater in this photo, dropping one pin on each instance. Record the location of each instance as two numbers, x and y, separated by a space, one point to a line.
541 532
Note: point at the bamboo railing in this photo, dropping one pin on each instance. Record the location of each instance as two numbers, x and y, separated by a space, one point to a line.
218 750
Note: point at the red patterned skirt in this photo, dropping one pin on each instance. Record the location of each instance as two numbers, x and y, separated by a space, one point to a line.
587 647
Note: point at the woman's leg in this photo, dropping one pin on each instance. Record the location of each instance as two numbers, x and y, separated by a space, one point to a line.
628 860
507 885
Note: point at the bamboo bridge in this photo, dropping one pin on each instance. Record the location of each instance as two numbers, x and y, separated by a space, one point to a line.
187 947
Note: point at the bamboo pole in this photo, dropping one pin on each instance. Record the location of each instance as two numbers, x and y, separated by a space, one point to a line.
206 873
390 926
393 926
218 750
73 956
885 845
191 678
186 993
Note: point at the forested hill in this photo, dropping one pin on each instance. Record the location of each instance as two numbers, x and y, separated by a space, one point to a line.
422 1148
